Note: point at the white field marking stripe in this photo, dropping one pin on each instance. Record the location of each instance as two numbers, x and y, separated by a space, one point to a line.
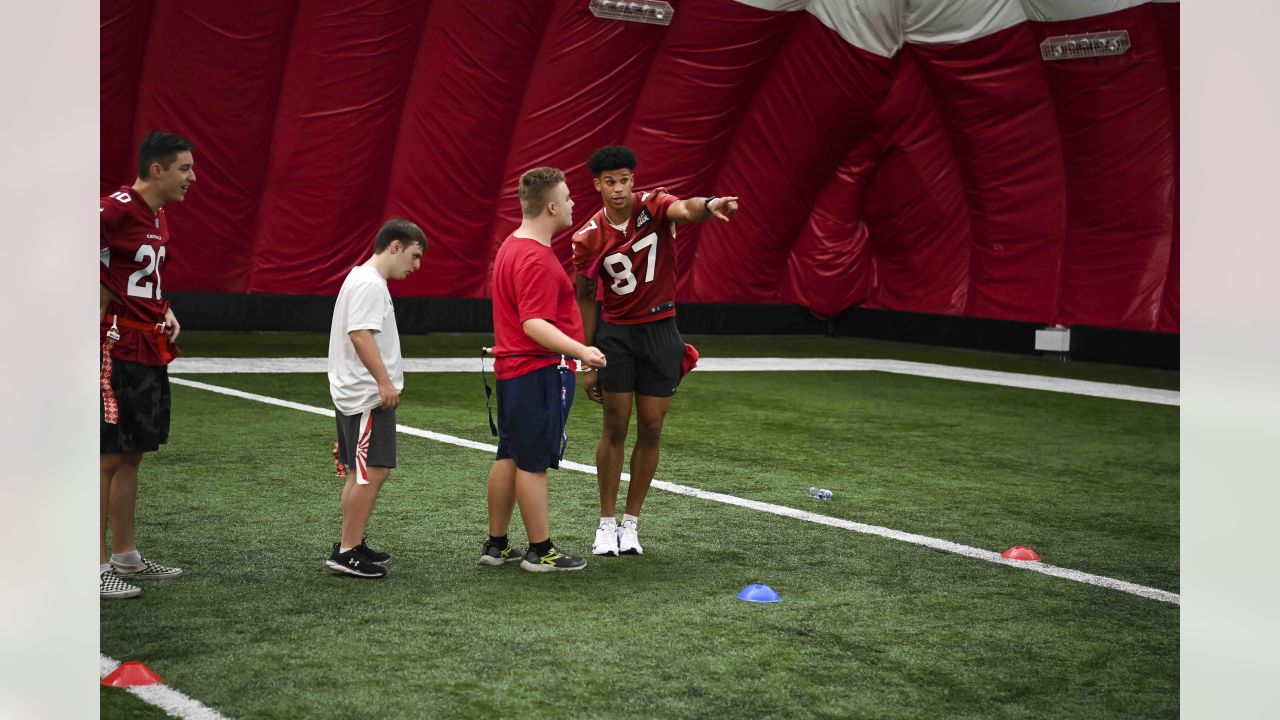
174 703
195 366
782 510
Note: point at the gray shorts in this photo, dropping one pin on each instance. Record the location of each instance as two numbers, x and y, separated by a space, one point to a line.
366 440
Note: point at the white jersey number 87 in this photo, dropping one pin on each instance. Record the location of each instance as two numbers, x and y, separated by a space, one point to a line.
619 265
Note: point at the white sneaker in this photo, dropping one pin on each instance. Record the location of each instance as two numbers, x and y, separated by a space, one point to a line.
628 540
606 541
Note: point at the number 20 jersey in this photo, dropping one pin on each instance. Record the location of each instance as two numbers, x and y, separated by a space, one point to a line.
636 268
131 263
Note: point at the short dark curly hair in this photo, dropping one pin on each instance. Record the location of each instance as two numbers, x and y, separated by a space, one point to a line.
611 157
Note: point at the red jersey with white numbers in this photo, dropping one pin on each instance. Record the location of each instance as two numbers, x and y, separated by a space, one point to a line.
132 256
636 265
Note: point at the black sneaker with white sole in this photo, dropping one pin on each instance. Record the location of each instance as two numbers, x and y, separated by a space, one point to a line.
377 557
552 561
354 563
491 554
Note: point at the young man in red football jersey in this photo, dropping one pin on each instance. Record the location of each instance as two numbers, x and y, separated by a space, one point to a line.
537 332
137 331
629 246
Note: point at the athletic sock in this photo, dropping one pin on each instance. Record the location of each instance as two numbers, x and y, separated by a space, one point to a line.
541 548
608 522
104 567
131 558
635 521
344 549
499 541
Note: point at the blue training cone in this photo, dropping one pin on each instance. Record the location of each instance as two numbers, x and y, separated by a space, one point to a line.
759 593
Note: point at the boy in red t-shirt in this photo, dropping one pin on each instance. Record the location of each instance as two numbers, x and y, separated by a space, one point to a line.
537 329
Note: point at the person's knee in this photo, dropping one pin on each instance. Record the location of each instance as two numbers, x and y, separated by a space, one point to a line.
649 430
378 475
615 428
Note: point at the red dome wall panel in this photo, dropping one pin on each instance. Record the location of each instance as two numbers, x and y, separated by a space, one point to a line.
1117 140
831 267
123 41
1001 121
450 156
1168 16
816 102
240 50
693 100
581 95
915 205
335 130
965 177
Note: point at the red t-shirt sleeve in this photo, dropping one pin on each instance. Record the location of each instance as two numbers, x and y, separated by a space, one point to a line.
535 291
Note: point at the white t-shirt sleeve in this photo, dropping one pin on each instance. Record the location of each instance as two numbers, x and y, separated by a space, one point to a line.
366 308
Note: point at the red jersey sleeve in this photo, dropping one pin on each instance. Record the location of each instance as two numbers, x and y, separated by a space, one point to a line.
658 202
587 243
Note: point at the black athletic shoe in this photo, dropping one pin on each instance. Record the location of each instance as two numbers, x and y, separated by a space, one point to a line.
377 557
354 563
552 561
491 555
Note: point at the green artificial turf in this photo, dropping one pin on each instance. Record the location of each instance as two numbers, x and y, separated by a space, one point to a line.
244 498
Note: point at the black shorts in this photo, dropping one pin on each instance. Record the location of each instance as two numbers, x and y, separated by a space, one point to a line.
532 412
142 398
366 440
642 358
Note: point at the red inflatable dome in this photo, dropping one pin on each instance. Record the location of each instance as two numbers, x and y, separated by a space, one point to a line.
904 154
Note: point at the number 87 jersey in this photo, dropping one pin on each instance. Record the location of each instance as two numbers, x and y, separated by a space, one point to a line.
132 249
636 264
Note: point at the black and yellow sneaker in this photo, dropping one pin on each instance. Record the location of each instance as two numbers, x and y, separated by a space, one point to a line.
491 555
377 557
552 561
353 563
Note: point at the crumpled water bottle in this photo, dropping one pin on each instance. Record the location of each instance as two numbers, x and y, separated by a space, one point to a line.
819 493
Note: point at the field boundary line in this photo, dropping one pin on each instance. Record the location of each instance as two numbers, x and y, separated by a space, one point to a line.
199 366
172 702
781 510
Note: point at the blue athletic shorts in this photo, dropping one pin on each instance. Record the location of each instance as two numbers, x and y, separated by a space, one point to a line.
532 411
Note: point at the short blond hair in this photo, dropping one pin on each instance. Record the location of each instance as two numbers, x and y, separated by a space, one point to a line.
535 189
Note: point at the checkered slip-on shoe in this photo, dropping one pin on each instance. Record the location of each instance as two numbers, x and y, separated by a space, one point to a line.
111 586
146 571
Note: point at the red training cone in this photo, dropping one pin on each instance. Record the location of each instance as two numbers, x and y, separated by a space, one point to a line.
132 673
1020 552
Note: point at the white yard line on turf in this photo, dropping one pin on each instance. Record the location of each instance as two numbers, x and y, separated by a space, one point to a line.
174 703
782 510
195 366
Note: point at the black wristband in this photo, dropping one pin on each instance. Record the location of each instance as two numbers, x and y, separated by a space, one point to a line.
707 204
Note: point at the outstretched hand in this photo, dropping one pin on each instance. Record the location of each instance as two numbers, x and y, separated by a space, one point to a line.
723 207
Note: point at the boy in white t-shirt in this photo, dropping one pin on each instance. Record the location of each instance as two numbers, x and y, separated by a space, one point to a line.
365 381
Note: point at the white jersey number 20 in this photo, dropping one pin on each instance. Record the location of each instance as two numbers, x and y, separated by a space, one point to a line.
618 265
139 285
